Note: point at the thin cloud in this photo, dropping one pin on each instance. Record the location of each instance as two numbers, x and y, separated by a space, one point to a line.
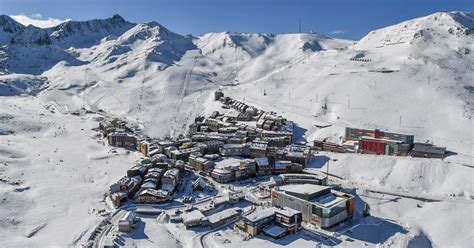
338 31
37 20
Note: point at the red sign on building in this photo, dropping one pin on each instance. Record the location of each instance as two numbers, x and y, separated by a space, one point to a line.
373 146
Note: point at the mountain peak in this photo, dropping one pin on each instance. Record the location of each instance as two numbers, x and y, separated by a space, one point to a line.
117 17
9 25
87 33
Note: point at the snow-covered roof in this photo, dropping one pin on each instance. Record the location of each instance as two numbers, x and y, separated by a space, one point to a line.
287 211
221 171
171 173
158 193
328 200
224 214
306 189
262 161
261 214
192 216
230 146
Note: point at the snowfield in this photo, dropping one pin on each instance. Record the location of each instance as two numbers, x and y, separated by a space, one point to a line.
414 77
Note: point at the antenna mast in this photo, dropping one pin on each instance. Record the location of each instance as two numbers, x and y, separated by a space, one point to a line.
299 26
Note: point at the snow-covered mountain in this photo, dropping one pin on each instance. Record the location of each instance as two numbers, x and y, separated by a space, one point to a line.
414 77
87 33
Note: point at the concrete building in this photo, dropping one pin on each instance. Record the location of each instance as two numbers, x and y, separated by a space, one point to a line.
289 219
200 163
319 205
170 180
256 221
426 150
356 134
128 222
153 196
232 150
183 154
192 219
223 217
122 139
222 175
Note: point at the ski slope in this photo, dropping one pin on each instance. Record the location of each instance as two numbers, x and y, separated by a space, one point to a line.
414 77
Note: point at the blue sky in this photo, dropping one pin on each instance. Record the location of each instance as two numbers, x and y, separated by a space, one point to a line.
339 18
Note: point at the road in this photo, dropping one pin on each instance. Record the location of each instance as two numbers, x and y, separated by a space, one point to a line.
99 240
203 236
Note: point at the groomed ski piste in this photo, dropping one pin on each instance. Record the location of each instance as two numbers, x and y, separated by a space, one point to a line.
414 77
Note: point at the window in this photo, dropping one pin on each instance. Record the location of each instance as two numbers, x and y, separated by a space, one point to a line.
317 210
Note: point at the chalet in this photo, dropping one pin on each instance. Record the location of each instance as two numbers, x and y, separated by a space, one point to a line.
127 184
150 183
153 196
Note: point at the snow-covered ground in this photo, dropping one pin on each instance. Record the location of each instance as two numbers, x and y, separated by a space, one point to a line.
414 77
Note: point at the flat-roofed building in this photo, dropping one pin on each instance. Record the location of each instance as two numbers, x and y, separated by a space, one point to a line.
222 175
122 139
192 219
224 216
256 221
289 218
426 150
318 204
